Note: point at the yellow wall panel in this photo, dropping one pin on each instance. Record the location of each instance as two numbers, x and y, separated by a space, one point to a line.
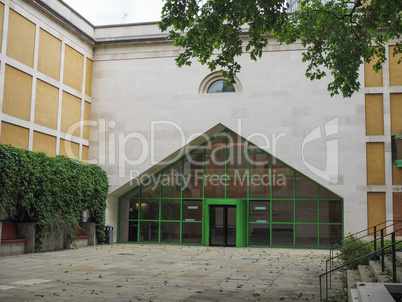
87 111
1 23
395 70
69 149
44 143
396 175
20 39
372 78
70 114
17 93
73 68
396 113
374 114
375 208
14 135
49 56
88 77
46 104
85 150
375 164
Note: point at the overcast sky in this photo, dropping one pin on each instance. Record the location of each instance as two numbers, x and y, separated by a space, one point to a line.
103 12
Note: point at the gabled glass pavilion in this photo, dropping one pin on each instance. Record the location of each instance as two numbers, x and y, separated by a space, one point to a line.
227 191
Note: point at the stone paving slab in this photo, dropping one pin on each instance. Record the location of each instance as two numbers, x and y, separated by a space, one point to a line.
129 272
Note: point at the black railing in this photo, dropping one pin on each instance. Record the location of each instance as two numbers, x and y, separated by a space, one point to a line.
373 254
338 243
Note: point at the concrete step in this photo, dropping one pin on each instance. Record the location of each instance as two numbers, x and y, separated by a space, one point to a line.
352 278
388 265
354 295
373 292
365 274
399 256
375 268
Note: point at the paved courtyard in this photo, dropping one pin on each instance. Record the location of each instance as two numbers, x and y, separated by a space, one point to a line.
125 272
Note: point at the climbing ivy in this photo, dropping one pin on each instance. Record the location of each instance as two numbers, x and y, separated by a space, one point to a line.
53 192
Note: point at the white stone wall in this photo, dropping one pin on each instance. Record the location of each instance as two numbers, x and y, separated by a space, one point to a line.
137 85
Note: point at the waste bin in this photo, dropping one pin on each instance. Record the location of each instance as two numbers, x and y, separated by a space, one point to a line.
109 234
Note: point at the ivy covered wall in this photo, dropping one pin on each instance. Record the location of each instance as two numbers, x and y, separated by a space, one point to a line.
53 192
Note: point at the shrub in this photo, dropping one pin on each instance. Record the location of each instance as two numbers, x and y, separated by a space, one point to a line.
53 192
354 248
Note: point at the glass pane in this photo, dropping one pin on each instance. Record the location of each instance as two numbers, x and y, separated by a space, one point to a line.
221 86
282 235
237 164
175 169
129 209
192 187
306 188
282 187
171 185
128 231
236 187
134 193
170 232
217 226
278 168
282 211
149 231
306 211
192 210
258 234
329 234
217 144
150 209
330 211
194 164
171 209
259 186
259 211
236 144
192 232
259 164
325 194
306 235
215 186
215 164
150 188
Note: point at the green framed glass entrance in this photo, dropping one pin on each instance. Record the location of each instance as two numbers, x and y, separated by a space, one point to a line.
280 207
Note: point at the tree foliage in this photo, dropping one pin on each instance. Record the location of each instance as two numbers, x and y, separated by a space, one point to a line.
339 35
52 192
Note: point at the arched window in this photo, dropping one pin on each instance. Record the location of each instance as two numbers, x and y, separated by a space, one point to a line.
215 83
221 86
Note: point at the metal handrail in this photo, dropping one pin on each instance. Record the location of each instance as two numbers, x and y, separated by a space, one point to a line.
374 253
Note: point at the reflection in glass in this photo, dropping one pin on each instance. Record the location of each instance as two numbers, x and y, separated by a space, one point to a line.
194 164
279 168
129 208
282 211
259 186
236 187
171 185
282 235
149 231
192 232
330 211
192 187
325 194
134 193
237 164
215 164
282 187
217 144
150 209
306 210
192 210
236 144
259 211
258 234
305 188
259 164
171 209
221 86
215 186
170 232
306 235
329 234
150 188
